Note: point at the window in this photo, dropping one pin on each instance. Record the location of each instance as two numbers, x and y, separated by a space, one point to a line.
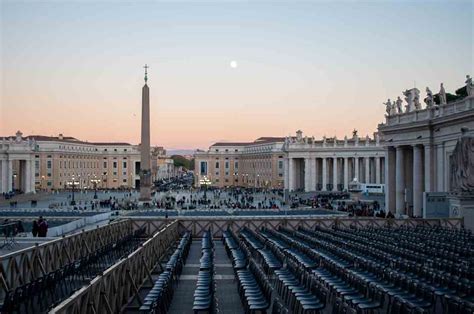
115 164
124 180
49 164
124 165
236 165
105 164
280 164
217 165
227 164
203 168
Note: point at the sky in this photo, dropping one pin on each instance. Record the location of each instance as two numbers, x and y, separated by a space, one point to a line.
325 67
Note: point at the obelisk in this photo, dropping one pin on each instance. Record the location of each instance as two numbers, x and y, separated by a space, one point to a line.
145 173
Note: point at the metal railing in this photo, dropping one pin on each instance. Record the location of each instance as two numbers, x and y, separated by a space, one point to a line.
24 266
198 225
112 290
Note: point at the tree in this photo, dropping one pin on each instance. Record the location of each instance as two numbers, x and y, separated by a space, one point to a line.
180 161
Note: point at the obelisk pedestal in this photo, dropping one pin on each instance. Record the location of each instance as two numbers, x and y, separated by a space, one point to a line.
145 172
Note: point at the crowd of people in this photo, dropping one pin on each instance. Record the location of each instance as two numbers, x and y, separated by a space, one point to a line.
40 228
230 198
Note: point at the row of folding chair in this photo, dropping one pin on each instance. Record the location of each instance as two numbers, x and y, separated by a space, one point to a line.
233 250
158 299
407 294
299 297
204 294
49 290
254 289
442 284
336 285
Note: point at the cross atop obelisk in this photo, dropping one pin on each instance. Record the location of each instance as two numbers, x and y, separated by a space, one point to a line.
145 173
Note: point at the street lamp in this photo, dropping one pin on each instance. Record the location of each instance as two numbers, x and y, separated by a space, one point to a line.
95 181
42 180
206 182
73 184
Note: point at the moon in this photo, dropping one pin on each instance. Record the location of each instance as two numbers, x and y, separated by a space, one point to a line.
233 64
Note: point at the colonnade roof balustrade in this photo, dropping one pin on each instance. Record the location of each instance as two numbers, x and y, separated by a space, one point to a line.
438 112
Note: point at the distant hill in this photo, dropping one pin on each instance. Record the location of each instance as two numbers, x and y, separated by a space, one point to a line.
182 152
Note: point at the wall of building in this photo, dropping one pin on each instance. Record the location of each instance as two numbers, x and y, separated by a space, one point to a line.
256 164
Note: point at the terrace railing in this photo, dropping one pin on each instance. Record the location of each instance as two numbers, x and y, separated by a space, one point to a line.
24 266
198 225
119 284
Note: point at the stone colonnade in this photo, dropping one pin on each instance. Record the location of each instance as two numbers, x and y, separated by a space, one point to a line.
25 175
332 173
408 174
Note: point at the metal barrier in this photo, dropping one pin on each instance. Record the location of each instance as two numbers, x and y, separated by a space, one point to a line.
198 225
23 266
112 290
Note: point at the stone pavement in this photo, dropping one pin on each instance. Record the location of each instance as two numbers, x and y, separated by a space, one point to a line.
226 288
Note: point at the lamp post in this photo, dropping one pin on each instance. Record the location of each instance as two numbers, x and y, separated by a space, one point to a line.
73 184
205 181
95 181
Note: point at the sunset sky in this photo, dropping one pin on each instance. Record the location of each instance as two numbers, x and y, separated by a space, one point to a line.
325 67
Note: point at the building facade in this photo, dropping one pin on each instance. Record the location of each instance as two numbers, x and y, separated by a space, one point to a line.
162 165
39 162
419 142
331 164
258 164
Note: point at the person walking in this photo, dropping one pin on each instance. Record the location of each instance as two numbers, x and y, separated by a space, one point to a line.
42 227
35 228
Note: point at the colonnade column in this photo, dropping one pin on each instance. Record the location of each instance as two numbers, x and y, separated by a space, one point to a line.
440 168
377 170
367 169
3 178
334 173
389 179
324 183
287 173
312 180
400 181
307 174
428 169
346 173
356 168
27 176
9 175
315 175
291 174
417 181
33 178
